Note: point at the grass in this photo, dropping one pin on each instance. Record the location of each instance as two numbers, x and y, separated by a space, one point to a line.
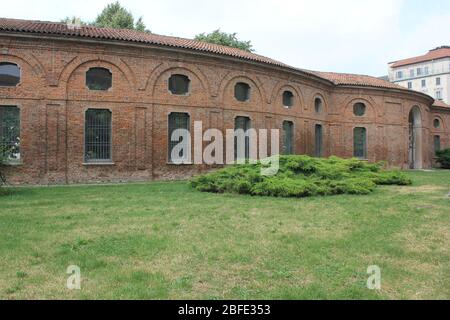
168 241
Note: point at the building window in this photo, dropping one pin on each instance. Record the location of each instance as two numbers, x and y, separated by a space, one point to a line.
360 143
288 137
436 123
242 138
437 143
179 136
399 74
318 105
10 132
288 99
359 109
179 84
438 81
99 79
242 91
411 73
419 71
427 70
424 83
410 85
9 74
318 140
439 95
97 136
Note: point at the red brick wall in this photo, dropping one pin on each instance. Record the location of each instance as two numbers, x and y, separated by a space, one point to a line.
53 99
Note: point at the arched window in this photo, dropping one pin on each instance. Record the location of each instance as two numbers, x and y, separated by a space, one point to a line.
318 152
288 137
9 74
359 109
242 91
242 138
97 136
318 105
437 143
436 123
179 84
98 79
360 143
179 138
288 99
10 132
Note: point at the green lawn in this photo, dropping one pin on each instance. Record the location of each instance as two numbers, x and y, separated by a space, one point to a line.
166 241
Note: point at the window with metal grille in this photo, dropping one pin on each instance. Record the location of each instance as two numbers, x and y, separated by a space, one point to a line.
97 136
318 105
179 84
241 126
437 143
98 79
242 91
360 143
10 132
178 120
288 99
436 123
318 140
359 109
9 74
288 137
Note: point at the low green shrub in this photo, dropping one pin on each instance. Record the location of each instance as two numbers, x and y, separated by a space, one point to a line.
443 158
301 176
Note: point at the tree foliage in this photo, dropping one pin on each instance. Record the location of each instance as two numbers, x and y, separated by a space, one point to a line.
74 21
443 157
116 16
225 39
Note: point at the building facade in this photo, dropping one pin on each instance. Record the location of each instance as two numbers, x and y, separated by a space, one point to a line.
429 73
85 105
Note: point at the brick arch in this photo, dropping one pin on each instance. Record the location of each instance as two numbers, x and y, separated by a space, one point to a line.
443 127
165 67
29 60
326 105
78 62
232 76
281 86
371 113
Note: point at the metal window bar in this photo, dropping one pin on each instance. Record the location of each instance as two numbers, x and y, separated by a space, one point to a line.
177 121
437 144
242 123
98 135
318 140
10 132
360 143
288 137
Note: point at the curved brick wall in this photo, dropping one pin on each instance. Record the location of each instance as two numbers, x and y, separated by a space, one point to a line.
53 98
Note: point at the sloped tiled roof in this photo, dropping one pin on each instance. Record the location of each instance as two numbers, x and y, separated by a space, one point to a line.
90 32
441 104
438 53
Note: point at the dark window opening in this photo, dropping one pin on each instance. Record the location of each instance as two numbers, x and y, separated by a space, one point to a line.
179 84
9 74
242 125
99 79
318 141
436 123
437 143
97 137
288 99
242 91
10 132
288 137
359 109
360 143
178 120
318 105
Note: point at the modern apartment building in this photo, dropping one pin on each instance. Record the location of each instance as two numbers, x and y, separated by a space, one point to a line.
429 74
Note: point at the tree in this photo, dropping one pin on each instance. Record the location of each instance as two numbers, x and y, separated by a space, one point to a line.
225 39
116 16
74 20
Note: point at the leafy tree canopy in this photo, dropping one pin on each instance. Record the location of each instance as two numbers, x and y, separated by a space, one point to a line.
225 39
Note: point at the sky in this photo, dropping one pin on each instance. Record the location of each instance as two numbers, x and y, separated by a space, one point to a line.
352 36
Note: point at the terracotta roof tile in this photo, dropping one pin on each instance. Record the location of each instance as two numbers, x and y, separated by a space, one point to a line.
441 104
438 53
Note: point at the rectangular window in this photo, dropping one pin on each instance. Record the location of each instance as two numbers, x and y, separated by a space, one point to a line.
242 138
427 70
179 138
288 137
439 95
438 81
399 74
10 132
419 71
97 136
409 85
424 83
411 73
360 143
437 143
318 141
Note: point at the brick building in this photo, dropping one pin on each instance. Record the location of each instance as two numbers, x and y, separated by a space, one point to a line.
83 104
